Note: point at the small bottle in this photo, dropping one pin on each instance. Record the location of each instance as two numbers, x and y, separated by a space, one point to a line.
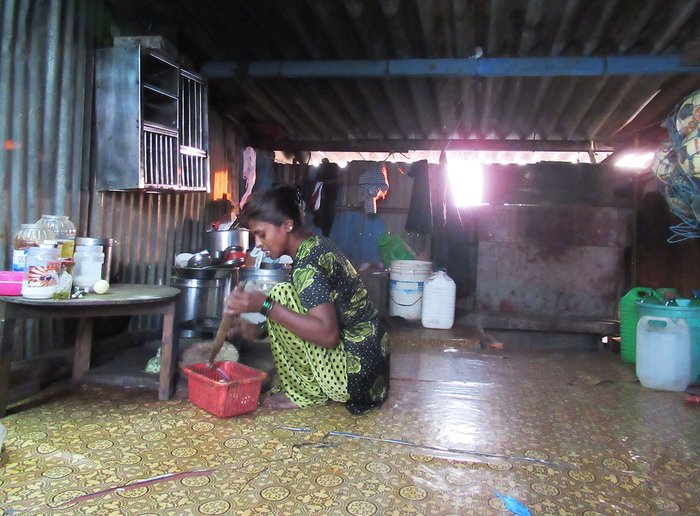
648 298
29 235
695 300
64 231
41 272
669 299
65 279
88 266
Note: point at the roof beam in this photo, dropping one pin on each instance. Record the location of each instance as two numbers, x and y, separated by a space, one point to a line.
551 66
406 145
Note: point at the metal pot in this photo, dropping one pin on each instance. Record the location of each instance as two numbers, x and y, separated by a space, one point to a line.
202 272
262 279
222 240
200 298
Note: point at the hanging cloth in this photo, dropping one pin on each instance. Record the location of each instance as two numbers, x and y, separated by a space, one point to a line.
248 173
376 185
324 196
420 211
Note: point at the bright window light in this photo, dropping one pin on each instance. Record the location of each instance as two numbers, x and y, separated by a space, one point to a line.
466 181
635 161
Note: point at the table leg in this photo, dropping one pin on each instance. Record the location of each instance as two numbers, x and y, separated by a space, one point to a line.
7 336
83 345
168 358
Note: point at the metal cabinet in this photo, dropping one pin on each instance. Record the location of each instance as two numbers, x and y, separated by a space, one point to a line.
151 123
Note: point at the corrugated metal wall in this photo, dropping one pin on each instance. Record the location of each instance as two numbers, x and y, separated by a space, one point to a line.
45 111
46 89
45 102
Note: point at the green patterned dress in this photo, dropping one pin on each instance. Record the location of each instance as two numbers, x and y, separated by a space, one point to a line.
356 371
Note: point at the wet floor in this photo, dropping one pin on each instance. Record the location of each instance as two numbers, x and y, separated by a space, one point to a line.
560 433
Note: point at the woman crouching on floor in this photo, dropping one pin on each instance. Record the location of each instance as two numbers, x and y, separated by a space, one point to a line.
325 334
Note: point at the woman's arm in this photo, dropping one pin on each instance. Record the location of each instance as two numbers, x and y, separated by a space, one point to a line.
319 325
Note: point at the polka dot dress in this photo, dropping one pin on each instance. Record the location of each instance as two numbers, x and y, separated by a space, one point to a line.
309 374
356 371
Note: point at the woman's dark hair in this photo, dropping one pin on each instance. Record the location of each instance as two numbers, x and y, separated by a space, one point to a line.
275 206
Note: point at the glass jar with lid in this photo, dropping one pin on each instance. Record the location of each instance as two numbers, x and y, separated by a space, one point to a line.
28 236
63 229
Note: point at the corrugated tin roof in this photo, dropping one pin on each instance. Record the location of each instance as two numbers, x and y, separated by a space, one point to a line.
384 102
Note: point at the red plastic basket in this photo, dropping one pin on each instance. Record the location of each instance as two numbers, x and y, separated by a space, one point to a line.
234 392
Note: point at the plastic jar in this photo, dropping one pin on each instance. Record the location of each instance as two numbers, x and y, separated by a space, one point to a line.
28 236
63 229
88 266
41 273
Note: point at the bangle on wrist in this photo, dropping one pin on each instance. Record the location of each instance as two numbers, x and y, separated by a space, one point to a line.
266 306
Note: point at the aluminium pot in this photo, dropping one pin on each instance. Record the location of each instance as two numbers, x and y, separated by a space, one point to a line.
202 272
222 240
200 298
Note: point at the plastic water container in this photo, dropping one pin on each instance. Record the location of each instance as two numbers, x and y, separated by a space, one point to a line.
406 278
629 317
438 306
663 353
691 314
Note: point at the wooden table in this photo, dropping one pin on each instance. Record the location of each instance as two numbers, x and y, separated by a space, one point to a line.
120 300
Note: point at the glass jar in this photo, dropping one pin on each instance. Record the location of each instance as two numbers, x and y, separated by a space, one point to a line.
88 266
63 229
28 236
41 272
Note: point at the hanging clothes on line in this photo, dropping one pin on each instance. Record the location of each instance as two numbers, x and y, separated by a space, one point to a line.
249 173
324 195
376 185
420 211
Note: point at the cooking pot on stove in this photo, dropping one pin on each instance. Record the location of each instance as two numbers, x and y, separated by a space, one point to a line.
222 240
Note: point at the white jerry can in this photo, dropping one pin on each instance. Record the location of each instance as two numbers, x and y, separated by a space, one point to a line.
663 353
439 295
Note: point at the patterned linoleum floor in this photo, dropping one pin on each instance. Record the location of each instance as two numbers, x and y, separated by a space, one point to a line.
560 433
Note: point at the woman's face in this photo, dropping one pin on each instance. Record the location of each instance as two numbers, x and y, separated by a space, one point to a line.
272 239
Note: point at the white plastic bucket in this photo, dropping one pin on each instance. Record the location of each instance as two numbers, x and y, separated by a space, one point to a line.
406 278
438 306
663 353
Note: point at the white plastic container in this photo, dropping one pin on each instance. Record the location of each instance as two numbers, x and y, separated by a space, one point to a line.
438 305
663 353
41 273
406 278
88 266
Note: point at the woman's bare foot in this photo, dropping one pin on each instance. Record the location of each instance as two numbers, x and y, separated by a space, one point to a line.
279 401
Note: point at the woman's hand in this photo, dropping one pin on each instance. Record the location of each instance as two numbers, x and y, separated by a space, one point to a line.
240 301
243 329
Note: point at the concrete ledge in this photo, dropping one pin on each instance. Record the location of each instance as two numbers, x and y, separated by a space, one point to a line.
539 323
